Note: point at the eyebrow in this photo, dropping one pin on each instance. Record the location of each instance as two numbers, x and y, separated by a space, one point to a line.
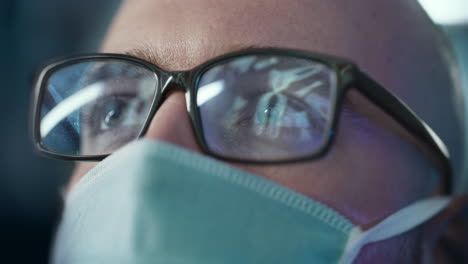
146 53
151 54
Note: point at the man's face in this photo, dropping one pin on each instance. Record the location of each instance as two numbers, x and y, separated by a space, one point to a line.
374 166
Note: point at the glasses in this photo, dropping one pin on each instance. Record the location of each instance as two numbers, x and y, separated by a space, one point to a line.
255 106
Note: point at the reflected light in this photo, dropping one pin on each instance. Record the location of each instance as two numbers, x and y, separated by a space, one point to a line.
69 105
447 12
207 92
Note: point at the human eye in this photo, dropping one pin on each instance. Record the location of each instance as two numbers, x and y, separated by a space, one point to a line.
112 113
282 117
112 120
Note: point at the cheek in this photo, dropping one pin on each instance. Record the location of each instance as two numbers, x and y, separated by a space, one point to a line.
386 172
368 173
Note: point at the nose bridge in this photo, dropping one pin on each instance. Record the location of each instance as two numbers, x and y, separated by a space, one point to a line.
171 122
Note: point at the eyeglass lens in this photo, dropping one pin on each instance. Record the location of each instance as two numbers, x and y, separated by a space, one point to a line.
96 106
266 108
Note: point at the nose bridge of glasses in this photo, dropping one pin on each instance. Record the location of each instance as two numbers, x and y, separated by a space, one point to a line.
172 80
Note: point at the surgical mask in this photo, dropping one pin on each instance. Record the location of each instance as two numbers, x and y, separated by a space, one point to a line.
152 202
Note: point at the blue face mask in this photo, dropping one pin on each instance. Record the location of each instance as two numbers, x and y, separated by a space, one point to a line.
156 203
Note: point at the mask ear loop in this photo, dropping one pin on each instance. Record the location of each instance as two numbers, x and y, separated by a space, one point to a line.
397 223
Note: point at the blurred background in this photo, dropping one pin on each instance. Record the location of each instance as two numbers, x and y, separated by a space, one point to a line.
33 32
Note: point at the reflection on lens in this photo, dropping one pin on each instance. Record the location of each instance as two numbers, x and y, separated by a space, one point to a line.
95 107
266 108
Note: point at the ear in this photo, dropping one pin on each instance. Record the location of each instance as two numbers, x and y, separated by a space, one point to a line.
445 237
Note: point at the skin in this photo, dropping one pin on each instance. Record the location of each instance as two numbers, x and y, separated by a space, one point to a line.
374 167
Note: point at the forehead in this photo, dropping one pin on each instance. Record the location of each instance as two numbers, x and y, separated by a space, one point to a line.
185 33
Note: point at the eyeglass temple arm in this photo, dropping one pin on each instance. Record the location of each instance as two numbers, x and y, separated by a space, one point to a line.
400 112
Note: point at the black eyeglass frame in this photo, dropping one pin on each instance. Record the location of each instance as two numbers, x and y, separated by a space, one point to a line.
347 76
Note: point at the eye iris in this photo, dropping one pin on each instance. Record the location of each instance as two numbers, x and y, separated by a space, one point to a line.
114 115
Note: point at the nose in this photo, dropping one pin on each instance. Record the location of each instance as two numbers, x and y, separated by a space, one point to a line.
171 123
